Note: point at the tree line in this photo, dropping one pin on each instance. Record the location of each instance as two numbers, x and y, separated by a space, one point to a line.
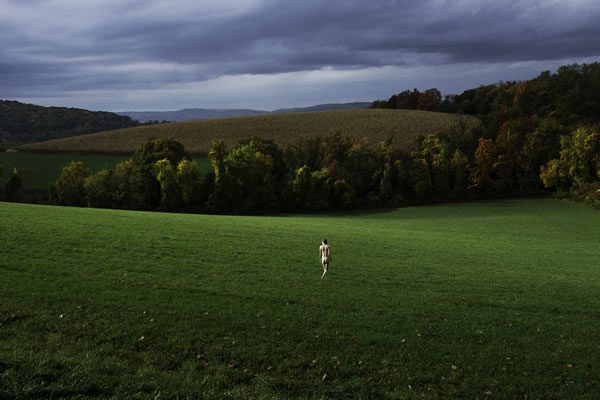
333 172
548 124
537 136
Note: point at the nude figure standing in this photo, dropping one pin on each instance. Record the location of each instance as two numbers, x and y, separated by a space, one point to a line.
325 257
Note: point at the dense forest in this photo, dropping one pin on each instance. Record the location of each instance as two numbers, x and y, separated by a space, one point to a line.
25 123
537 136
571 97
549 124
337 172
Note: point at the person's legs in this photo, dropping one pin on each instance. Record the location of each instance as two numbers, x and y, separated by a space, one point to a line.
325 267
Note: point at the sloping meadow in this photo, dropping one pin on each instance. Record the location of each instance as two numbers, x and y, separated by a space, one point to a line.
490 299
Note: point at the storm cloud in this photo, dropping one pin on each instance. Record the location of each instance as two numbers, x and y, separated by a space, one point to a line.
132 54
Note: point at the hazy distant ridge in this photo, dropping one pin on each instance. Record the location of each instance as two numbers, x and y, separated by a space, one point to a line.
189 114
358 105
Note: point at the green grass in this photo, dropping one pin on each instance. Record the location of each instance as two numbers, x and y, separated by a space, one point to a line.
285 129
40 170
493 300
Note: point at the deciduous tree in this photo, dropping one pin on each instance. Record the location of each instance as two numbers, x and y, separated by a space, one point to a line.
101 189
170 191
483 168
130 186
189 178
70 185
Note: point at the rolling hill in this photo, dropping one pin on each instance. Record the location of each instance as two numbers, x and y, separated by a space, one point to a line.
458 301
358 105
25 123
285 129
190 114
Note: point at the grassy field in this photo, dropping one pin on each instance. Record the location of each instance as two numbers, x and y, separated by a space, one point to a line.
285 129
40 170
484 300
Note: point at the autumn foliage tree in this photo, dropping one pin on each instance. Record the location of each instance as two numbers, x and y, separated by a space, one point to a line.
482 172
577 170
429 100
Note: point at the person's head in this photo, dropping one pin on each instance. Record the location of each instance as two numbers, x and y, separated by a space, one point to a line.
324 241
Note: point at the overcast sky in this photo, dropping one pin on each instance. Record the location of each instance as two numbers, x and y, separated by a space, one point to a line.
121 55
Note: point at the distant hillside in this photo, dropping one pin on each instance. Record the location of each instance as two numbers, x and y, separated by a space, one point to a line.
26 123
325 107
190 114
285 129
570 96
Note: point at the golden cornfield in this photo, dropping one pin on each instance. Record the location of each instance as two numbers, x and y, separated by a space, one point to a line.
285 129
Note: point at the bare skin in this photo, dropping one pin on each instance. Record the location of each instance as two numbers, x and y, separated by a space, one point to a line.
325 257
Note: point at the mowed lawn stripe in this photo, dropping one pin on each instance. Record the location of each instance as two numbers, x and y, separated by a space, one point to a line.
495 298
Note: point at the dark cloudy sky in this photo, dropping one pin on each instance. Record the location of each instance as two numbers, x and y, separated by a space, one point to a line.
162 55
